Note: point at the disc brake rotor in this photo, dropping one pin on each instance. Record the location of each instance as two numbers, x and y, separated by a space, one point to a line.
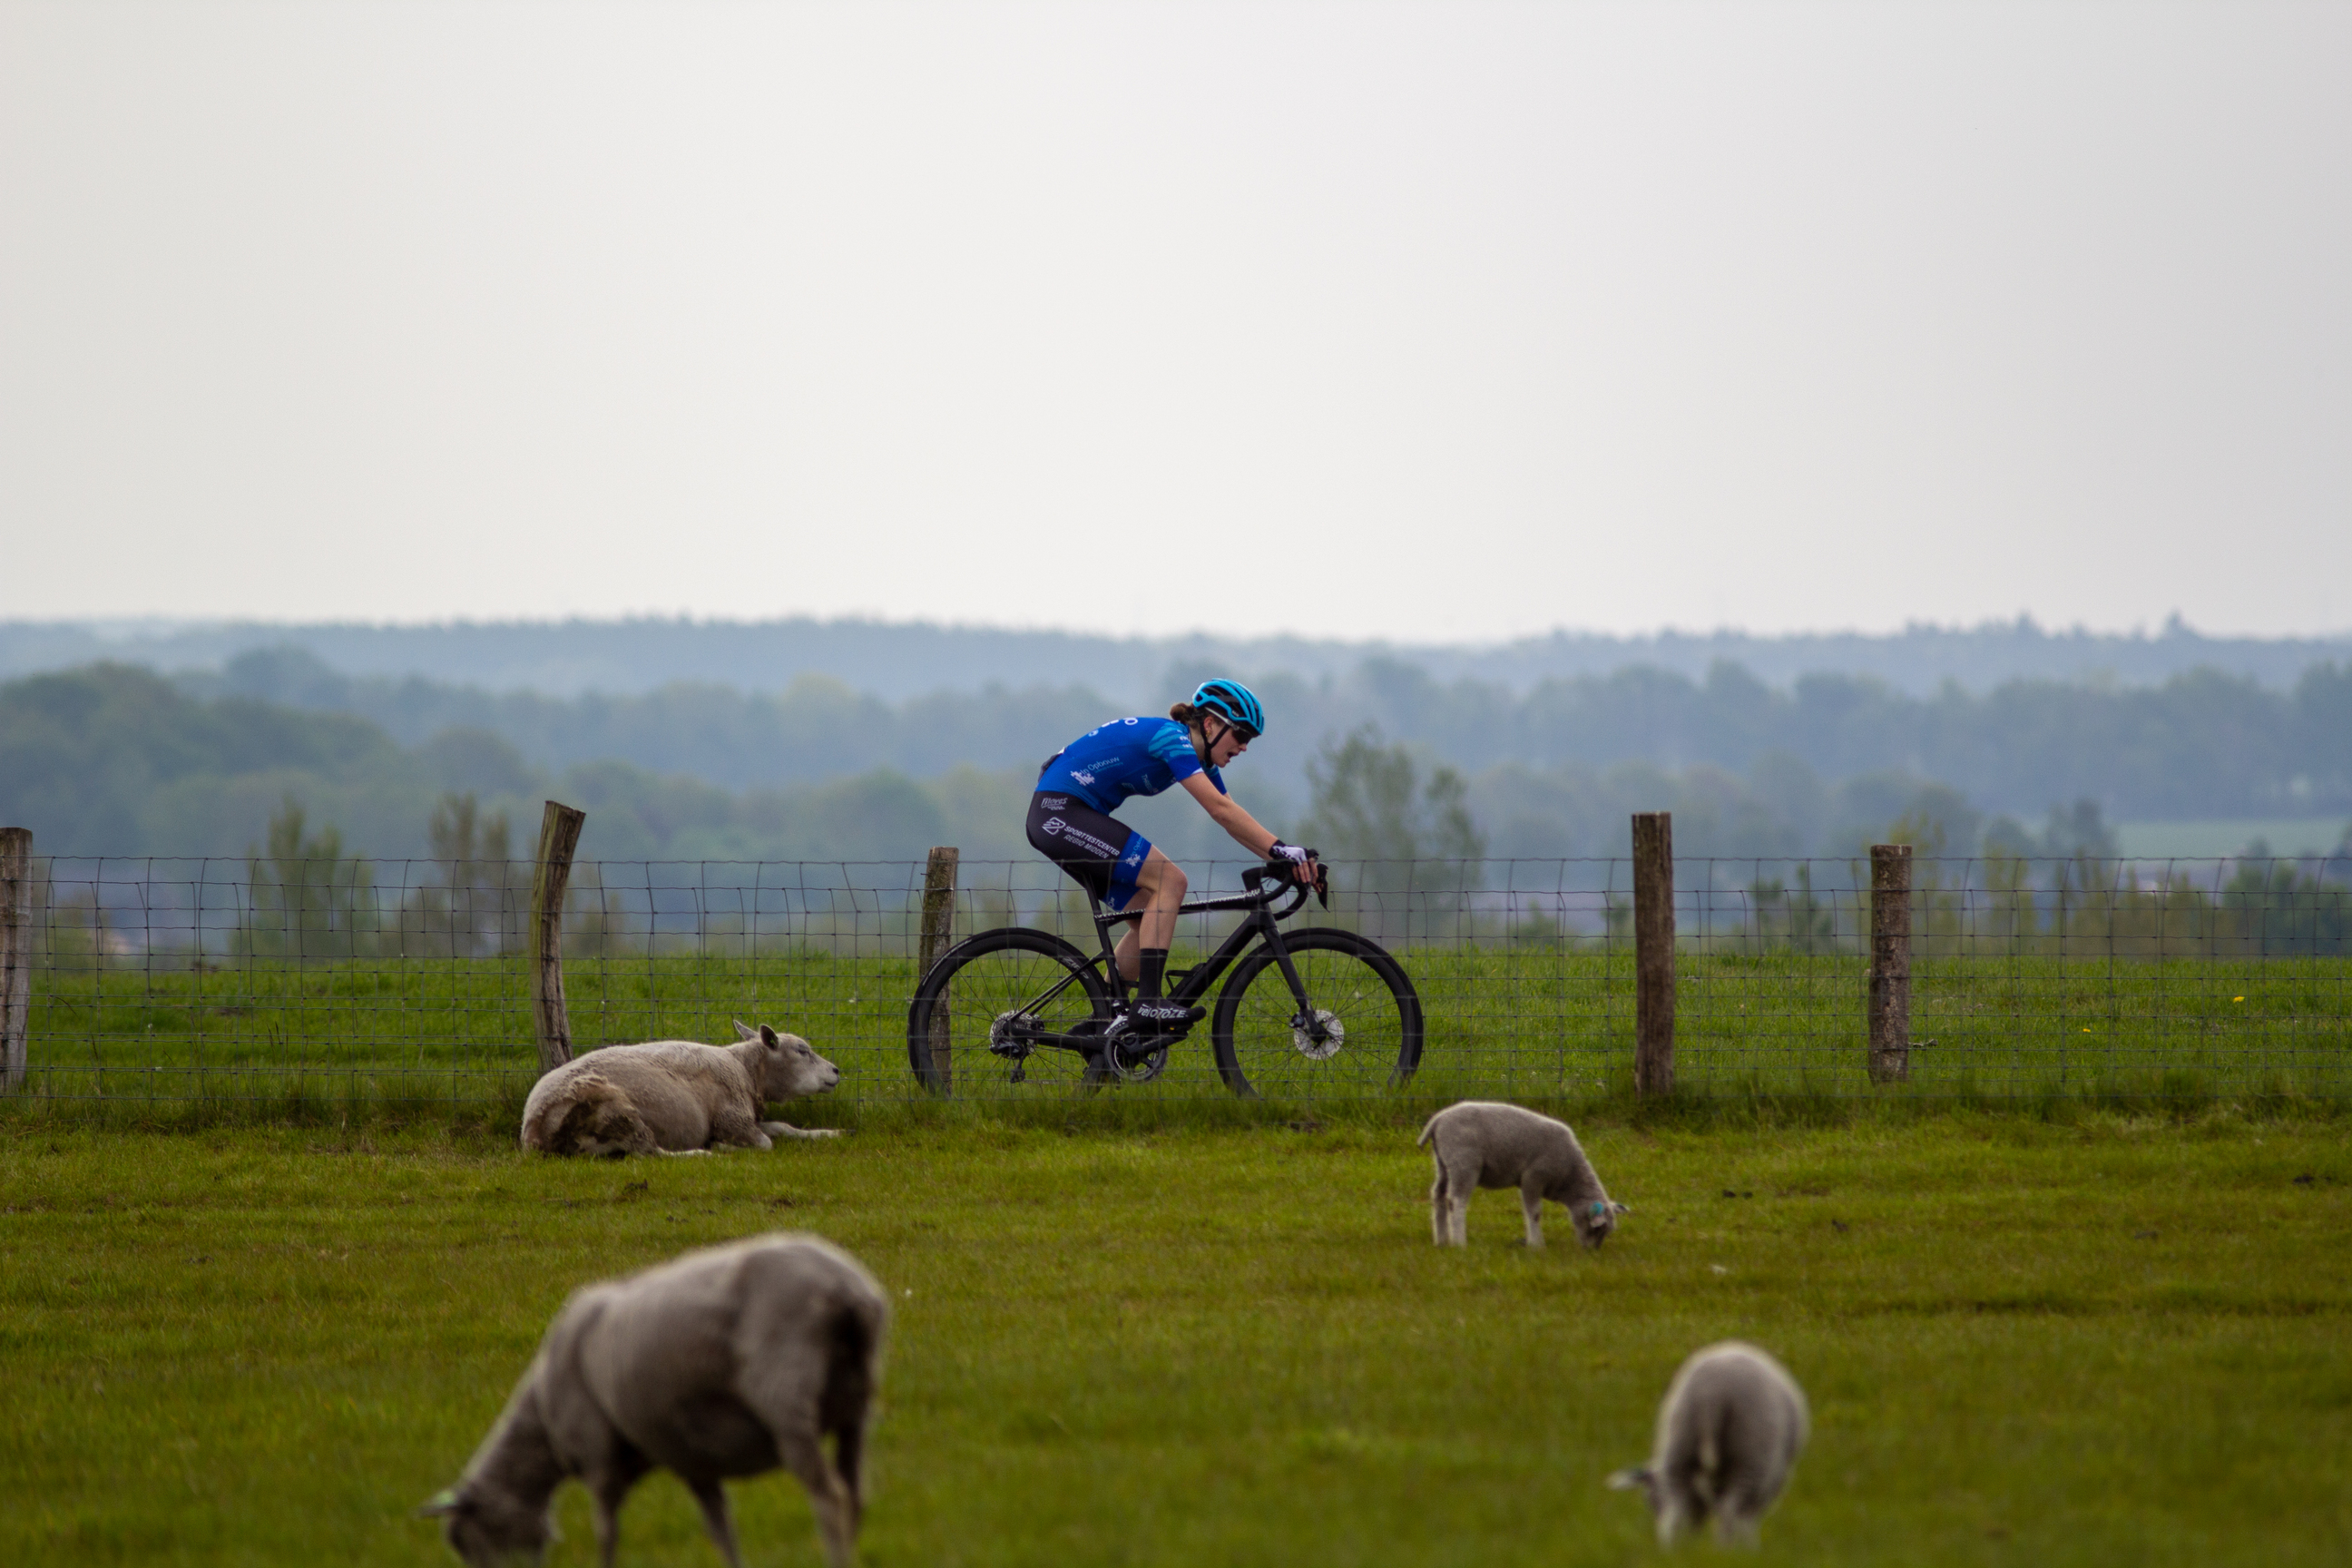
1335 1035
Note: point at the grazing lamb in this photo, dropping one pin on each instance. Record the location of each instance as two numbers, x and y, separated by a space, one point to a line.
672 1097
1484 1144
725 1361
1732 1425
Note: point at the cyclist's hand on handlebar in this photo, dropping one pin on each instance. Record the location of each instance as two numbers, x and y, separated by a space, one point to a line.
1304 867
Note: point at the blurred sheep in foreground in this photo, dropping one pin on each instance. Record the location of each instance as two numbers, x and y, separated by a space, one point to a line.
724 1363
1729 1431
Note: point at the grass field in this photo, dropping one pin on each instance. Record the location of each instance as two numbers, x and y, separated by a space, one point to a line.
1507 1020
2096 1339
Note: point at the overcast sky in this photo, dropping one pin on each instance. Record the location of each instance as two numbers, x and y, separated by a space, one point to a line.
1423 321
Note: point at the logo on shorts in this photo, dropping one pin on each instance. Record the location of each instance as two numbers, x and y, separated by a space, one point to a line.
1132 860
1055 824
1055 802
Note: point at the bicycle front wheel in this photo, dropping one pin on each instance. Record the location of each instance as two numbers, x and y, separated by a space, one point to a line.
1367 1031
991 989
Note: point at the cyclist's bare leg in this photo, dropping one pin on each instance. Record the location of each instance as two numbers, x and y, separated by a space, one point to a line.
1159 892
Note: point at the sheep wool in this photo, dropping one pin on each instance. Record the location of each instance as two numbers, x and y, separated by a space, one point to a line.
1729 1431
1485 1143
724 1363
675 1097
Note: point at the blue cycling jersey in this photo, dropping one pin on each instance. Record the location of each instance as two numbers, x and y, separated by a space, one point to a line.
1126 757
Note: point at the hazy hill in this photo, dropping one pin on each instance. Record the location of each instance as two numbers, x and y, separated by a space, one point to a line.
2201 744
115 760
897 662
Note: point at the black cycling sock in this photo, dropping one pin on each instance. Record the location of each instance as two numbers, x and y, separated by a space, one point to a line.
1155 966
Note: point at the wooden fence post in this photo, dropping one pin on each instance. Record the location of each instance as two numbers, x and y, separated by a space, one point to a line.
1654 952
559 835
1890 962
939 929
16 952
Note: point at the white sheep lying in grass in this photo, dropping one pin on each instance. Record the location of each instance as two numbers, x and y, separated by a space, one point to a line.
1732 1425
1484 1143
726 1361
672 1097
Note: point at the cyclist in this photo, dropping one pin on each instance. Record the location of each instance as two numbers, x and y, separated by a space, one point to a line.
1070 824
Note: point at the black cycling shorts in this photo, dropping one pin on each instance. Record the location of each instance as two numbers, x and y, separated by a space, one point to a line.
1102 852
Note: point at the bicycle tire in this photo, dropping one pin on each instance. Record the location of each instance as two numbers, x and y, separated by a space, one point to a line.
988 974
1351 977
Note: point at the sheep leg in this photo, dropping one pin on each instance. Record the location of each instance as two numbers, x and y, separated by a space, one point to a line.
1531 1201
786 1129
738 1128
717 1519
848 1455
1459 1178
608 1521
834 1503
788 1395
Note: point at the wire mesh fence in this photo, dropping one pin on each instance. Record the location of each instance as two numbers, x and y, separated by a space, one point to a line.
201 979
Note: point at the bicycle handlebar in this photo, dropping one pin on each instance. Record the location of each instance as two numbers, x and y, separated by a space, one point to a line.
1259 897
1282 871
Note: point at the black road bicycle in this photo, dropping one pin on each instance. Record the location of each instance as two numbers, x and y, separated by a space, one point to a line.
1313 1012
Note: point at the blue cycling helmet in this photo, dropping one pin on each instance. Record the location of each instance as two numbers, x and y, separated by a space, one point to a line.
1237 703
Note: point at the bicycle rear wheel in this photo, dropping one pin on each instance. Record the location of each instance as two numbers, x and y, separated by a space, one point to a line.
991 987
1371 1013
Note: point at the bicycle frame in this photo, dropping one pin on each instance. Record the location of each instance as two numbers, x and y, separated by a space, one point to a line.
1262 925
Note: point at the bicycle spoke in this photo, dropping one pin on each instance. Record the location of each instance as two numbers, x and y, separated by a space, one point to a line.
1002 992
1364 1033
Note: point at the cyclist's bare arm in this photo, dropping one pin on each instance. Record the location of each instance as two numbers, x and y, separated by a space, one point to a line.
1227 813
1248 831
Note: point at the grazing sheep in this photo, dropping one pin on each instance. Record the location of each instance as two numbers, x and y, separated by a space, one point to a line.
1732 1425
672 1097
1484 1143
725 1361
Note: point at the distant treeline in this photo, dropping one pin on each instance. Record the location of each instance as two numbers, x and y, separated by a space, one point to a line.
2203 744
117 760
112 760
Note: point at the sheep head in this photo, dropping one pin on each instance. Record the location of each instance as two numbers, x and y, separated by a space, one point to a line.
790 1067
1664 1511
1595 1219
489 1531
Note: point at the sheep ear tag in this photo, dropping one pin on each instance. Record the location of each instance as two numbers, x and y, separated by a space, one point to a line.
1600 1209
768 1038
445 1501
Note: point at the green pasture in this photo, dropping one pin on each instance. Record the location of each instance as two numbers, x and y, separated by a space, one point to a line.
2087 1339
1518 1020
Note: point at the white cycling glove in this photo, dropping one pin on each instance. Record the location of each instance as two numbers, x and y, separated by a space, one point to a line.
1291 852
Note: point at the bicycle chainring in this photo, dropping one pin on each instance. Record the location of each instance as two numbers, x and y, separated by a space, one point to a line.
1335 1035
1144 1071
